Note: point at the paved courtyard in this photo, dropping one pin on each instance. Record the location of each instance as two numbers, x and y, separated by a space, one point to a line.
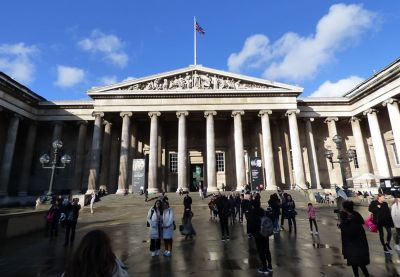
124 219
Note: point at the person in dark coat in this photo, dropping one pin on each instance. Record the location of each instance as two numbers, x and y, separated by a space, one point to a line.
383 219
72 214
187 201
223 207
275 205
354 241
262 243
289 212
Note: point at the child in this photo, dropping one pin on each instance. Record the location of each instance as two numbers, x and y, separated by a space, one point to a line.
311 218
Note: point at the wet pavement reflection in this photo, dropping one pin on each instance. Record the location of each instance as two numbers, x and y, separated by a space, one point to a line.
123 218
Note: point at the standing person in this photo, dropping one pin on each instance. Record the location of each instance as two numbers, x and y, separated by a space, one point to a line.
283 196
223 213
154 220
187 227
237 206
168 224
201 193
396 220
289 210
383 219
312 218
354 241
274 204
92 201
262 243
232 209
53 217
94 257
245 207
71 219
187 201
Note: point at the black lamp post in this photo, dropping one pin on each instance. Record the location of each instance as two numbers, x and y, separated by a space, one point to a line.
341 158
56 162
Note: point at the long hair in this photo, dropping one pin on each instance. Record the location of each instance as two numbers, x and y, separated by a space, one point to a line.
93 257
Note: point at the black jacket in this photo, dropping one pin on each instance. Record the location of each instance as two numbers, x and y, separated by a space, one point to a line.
354 241
187 202
381 214
254 218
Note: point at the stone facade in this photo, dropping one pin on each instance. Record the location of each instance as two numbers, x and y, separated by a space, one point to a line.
198 124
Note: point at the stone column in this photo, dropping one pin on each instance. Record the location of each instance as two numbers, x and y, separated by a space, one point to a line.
335 174
153 155
312 155
105 156
394 115
211 162
95 153
182 150
267 150
80 156
57 130
298 166
124 153
8 154
239 154
377 142
27 160
360 146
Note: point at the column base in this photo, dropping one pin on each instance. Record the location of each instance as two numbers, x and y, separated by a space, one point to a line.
153 190
120 191
213 189
270 188
90 191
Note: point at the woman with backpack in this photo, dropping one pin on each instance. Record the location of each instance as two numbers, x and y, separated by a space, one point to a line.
289 211
168 223
262 242
154 221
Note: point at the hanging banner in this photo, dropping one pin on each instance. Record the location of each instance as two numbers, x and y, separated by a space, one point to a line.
256 173
138 175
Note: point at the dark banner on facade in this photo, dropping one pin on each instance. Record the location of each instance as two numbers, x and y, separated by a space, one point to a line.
138 175
256 173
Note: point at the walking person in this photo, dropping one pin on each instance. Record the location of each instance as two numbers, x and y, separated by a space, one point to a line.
53 217
95 257
92 200
71 219
395 212
383 219
289 211
312 218
168 224
223 213
187 227
154 220
354 241
187 201
283 196
262 243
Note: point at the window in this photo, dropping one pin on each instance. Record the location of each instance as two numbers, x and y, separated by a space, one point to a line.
173 162
220 157
396 157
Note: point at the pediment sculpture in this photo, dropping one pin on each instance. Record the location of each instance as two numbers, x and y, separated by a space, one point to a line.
194 80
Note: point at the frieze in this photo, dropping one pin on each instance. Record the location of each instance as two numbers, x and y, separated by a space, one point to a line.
194 80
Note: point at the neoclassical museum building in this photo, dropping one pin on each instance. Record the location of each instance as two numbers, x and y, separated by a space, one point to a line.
199 126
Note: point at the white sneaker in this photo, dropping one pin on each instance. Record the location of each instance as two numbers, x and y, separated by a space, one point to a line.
316 233
153 253
157 252
397 247
311 232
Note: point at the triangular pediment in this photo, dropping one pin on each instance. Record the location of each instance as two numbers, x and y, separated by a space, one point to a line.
196 78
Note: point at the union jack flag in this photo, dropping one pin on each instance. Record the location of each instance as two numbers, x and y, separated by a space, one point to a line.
199 29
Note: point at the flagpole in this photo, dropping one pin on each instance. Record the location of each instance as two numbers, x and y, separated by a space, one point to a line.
194 35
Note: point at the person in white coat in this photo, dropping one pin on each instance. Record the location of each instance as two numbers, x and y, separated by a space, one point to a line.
395 211
92 200
168 228
155 221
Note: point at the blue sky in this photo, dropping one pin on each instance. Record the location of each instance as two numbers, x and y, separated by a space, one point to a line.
60 49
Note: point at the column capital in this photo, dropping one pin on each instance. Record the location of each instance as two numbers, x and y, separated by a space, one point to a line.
370 111
20 117
84 122
106 122
389 101
123 114
208 113
235 113
151 114
264 112
96 114
354 119
181 113
329 119
290 112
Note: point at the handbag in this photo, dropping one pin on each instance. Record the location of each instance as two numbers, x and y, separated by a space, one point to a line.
174 225
180 228
369 223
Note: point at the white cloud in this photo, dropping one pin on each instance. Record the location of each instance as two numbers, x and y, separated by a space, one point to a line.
108 45
297 58
69 76
16 61
108 80
329 89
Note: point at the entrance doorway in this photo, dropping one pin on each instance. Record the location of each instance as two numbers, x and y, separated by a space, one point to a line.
196 176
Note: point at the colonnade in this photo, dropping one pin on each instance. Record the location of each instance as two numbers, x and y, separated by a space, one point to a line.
267 154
